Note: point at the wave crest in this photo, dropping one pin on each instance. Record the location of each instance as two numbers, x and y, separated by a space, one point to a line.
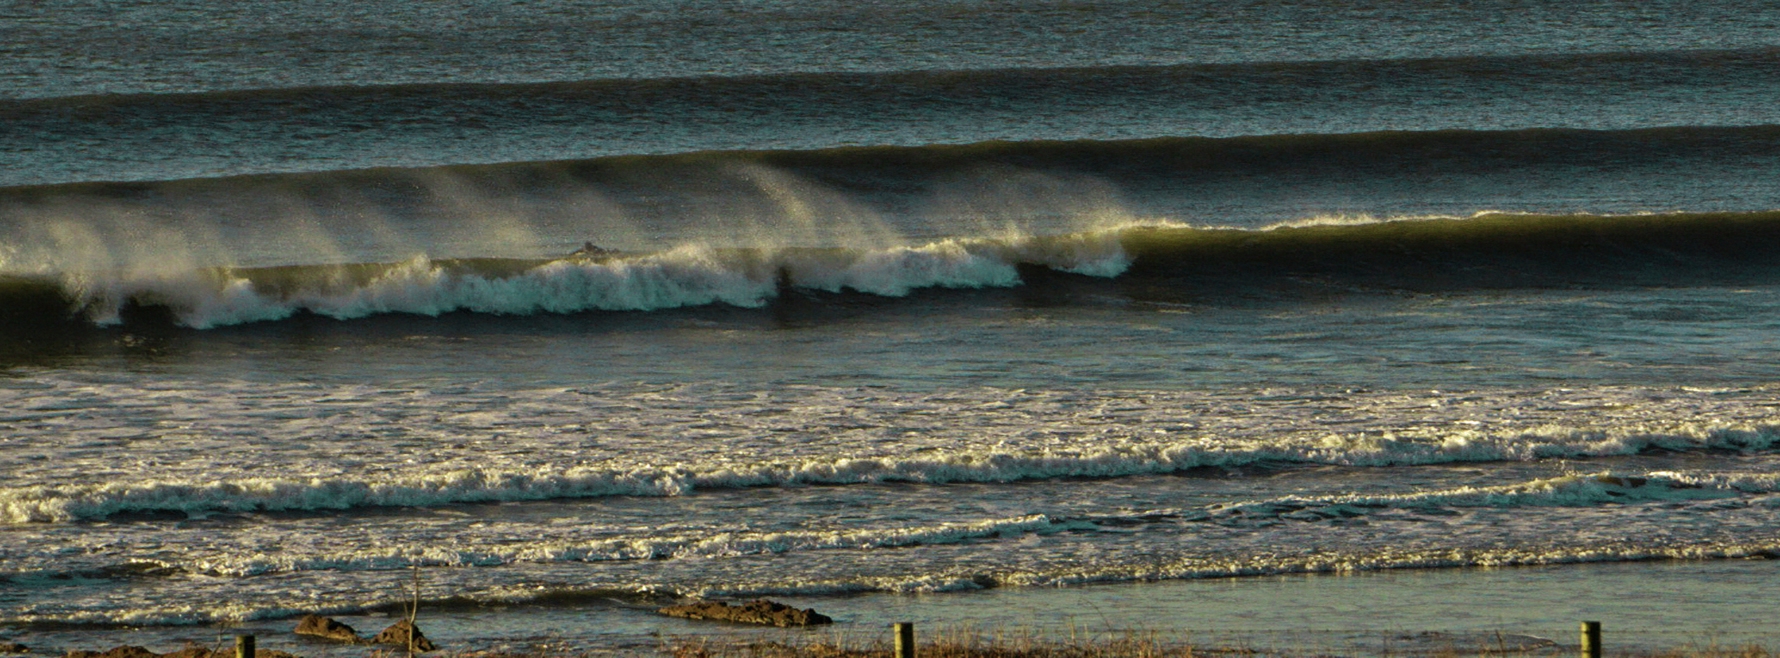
688 276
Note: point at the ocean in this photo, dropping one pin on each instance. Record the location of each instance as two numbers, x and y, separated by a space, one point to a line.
1312 325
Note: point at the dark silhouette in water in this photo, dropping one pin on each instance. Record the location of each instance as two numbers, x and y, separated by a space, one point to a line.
590 249
786 304
782 282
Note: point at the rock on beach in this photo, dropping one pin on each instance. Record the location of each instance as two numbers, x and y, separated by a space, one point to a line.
397 634
758 611
327 628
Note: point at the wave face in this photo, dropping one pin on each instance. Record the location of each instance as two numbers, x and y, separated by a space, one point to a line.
1482 252
915 192
739 228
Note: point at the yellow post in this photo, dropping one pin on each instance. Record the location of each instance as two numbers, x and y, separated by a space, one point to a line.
905 640
244 646
1591 639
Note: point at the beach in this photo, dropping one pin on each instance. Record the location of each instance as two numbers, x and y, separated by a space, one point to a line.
1523 610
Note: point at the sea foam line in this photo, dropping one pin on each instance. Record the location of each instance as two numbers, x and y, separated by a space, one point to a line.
950 581
1570 490
1266 565
720 544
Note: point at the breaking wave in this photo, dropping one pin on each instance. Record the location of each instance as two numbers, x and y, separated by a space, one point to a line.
1167 259
684 277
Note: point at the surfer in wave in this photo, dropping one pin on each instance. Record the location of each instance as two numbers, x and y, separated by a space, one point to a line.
590 249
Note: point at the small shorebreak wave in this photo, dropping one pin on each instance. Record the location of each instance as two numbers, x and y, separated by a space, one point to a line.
1573 490
65 503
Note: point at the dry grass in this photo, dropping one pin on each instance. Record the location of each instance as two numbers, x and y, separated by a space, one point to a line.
964 644
969 642
1715 651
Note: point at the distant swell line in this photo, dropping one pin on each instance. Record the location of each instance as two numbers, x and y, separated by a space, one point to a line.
995 81
896 169
321 129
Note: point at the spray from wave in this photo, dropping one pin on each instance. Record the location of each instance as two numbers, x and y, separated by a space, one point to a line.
693 275
1160 259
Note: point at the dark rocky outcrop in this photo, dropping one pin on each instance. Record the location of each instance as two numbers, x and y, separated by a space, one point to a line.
327 628
758 611
115 652
13 647
397 634
201 652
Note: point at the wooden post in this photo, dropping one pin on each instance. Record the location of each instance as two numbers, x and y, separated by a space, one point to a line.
1591 639
905 640
244 646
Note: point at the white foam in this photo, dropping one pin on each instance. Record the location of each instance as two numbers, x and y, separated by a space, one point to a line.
897 271
654 547
235 446
65 502
690 276
503 559
1571 491
208 446
693 275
